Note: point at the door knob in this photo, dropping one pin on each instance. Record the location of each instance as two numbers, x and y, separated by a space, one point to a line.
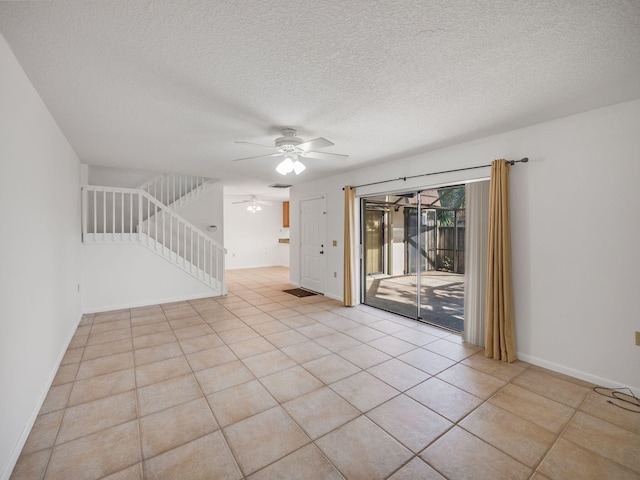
321 252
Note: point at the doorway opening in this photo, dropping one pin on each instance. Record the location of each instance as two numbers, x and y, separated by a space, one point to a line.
413 254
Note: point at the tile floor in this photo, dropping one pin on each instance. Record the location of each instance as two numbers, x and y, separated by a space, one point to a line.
262 385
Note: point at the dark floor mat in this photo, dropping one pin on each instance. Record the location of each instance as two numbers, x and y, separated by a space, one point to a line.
300 292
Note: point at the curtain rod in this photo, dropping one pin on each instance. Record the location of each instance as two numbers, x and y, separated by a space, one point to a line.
404 179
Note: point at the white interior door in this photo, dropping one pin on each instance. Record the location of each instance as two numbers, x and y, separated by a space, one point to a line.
312 223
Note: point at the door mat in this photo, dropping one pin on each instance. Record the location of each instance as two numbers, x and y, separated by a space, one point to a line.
300 292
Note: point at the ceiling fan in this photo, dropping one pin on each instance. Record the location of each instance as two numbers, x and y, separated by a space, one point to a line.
254 203
292 148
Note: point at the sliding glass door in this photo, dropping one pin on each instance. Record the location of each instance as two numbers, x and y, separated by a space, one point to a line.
413 254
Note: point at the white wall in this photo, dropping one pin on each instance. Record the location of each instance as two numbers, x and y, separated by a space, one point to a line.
251 239
575 223
118 177
130 275
39 253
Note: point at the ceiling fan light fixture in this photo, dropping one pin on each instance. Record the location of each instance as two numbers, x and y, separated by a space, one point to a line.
298 167
286 166
254 208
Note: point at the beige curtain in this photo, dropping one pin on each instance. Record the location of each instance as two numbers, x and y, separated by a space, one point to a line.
349 292
500 335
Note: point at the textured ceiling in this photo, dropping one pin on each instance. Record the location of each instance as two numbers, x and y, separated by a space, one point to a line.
170 85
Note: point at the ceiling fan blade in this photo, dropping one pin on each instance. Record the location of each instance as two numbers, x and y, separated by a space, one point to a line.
256 144
315 143
241 201
258 156
324 156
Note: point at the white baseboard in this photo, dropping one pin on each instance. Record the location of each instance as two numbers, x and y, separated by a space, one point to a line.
572 372
146 303
17 449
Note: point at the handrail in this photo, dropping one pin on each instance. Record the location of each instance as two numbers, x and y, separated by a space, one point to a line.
128 215
172 189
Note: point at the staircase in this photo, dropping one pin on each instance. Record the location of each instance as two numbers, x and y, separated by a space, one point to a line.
147 216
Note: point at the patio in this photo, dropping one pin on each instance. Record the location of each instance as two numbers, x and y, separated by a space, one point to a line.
442 297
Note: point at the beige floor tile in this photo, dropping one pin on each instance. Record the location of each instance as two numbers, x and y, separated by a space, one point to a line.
269 362
362 450
153 339
245 311
320 411
107 317
162 395
615 443
97 455
286 338
331 368
298 321
306 351
205 458
211 358
148 329
242 401
163 370
460 455
566 460
337 342
107 349
399 375
307 463
56 398
445 399
523 440
157 353
451 350
272 326
191 332
108 336
148 319
597 405
470 380
72 355
102 365
78 341
145 311
387 326
364 356
66 374
430 362
238 334
264 438
175 426
31 466
191 321
290 383
561 376
283 313
43 433
134 472
99 327
97 415
271 307
551 387
251 347
223 376
364 391
256 319
415 469
364 333
502 370
102 386
391 345
232 323
415 337
316 331
201 342
537 409
179 313
409 422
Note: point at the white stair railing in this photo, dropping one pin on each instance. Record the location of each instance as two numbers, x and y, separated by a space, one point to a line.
176 191
127 215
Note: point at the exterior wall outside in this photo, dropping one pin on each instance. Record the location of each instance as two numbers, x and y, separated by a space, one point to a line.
573 213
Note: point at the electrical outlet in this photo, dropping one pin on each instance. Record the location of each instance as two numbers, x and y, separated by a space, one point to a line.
638 338
335 243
